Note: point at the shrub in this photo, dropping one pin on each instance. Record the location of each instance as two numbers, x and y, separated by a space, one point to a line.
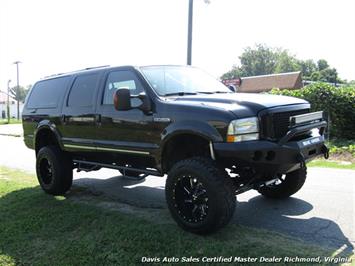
337 102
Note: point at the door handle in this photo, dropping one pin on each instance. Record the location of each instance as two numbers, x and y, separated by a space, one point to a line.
63 118
98 119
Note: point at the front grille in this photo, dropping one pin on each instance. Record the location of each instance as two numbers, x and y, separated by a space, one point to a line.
276 125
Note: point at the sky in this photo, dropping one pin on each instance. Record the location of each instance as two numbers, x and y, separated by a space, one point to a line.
58 36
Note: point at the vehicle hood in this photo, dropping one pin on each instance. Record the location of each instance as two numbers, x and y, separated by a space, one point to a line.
241 104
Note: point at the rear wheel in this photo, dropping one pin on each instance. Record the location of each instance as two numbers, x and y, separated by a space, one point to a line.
54 170
287 185
200 196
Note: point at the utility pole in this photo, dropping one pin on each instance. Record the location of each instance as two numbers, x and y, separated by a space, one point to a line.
189 32
8 101
18 89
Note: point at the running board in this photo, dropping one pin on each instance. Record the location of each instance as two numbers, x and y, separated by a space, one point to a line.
113 166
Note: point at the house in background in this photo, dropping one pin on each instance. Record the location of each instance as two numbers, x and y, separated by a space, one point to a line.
13 106
290 80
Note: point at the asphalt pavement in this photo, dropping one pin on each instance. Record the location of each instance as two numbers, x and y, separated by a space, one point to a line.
321 212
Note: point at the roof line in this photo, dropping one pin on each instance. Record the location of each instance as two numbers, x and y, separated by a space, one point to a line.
273 75
76 71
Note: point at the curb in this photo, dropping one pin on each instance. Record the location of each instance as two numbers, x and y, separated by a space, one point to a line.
10 135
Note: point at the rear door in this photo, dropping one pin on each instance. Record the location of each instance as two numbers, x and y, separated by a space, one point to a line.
78 114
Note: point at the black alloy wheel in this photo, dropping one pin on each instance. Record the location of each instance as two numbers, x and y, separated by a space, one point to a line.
46 171
200 195
191 199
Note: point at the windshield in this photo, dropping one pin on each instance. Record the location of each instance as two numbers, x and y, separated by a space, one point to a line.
181 80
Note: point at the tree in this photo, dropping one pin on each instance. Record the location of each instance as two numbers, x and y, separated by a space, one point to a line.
235 72
19 94
262 60
308 67
329 75
286 63
322 64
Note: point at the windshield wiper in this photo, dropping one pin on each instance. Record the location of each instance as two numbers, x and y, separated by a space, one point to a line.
222 92
212 92
206 92
180 93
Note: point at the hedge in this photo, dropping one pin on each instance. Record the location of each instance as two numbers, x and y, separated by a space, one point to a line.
337 102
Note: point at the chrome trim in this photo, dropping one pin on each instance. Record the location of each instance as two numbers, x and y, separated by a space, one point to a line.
104 149
120 150
80 147
213 156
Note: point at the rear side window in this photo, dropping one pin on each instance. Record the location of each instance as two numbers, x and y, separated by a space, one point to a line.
46 93
82 91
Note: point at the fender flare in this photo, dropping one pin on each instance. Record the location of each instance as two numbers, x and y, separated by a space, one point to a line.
46 124
197 128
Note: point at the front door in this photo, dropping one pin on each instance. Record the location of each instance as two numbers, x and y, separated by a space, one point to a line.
124 133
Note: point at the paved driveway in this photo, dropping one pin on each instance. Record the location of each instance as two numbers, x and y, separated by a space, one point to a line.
322 212
11 129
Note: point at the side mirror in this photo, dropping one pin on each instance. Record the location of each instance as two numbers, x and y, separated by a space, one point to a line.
122 100
146 105
232 88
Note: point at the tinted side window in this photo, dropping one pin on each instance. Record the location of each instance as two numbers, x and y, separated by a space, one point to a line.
82 91
46 93
121 79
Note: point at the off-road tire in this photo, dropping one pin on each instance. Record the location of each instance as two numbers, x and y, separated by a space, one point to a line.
217 186
59 178
292 183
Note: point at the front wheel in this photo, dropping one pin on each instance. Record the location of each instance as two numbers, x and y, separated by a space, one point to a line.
287 185
199 195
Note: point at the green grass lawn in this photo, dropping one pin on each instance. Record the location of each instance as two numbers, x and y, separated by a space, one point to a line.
12 121
331 164
38 229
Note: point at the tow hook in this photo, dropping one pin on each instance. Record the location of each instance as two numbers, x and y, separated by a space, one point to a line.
301 160
325 151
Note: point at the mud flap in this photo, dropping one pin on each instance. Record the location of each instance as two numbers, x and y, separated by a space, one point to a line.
325 151
301 160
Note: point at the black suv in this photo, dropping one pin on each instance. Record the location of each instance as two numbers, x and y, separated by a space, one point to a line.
175 120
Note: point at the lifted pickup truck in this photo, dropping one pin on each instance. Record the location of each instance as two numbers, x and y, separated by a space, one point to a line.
175 120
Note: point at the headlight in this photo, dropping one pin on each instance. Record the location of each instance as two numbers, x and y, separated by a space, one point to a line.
243 129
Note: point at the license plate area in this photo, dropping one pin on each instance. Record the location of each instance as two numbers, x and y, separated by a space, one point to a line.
311 147
311 141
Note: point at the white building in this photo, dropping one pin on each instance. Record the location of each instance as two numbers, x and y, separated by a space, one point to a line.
13 107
